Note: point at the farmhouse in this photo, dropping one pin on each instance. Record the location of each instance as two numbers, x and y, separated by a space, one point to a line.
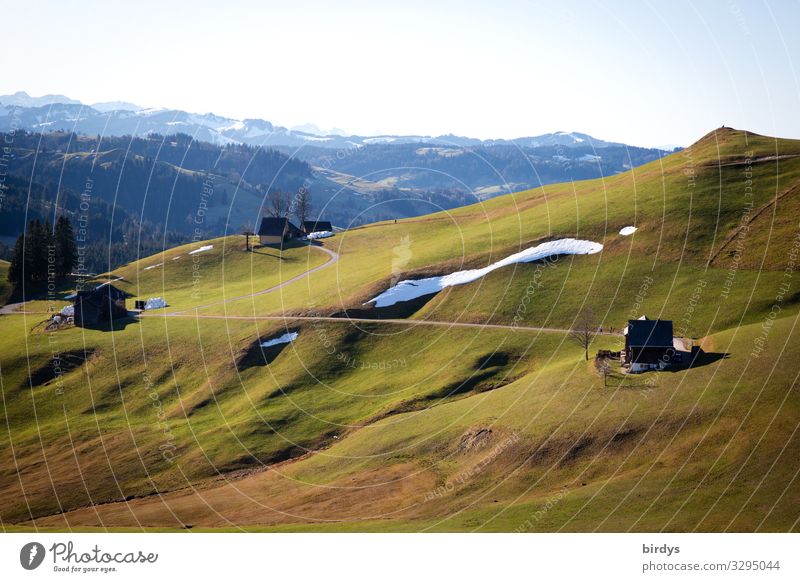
100 305
648 344
310 226
274 230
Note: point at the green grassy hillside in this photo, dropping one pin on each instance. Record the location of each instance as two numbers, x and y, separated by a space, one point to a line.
416 424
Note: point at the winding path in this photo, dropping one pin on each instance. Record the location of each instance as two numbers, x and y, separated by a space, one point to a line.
334 256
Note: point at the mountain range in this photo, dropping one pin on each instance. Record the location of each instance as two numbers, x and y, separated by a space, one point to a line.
58 112
150 167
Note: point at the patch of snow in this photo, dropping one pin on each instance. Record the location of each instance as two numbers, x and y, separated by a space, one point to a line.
254 132
202 249
380 139
319 234
628 230
155 303
411 289
68 311
235 126
284 339
176 258
151 111
153 266
108 282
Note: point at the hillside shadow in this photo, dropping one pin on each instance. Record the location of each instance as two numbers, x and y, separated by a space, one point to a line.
256 355
61 364
400 310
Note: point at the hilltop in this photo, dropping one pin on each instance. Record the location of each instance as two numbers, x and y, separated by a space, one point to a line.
419 416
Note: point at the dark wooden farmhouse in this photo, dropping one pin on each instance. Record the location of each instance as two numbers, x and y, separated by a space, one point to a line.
100 305
648 344
275 231
310 226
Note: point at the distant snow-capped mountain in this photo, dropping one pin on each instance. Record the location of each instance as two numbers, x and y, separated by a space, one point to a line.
57 112
22 99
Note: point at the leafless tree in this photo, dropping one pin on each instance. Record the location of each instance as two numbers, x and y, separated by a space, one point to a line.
583 330
247 231
303 206
603 367
278 204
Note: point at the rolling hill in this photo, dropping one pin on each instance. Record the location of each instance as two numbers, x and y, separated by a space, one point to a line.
466 410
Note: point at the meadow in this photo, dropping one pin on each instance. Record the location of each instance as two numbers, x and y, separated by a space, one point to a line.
184 420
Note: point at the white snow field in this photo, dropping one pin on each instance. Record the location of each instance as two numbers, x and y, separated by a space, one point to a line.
628 230
319 234
153 266
411 289
202 249
284 339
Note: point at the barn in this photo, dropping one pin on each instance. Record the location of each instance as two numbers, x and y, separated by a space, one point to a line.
100 305
310 226
648 344
276 231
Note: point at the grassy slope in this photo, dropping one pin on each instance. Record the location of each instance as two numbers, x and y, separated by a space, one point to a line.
553 426
682 223
5 286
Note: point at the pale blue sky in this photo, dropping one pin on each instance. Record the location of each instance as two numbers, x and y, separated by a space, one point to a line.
639 72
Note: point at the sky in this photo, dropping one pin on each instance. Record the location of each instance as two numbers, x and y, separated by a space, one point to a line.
644 73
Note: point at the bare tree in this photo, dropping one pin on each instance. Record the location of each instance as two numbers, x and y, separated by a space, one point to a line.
278 204
247 231
303 207
583 330
603 368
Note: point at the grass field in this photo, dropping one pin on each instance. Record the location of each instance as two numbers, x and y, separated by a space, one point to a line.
397 426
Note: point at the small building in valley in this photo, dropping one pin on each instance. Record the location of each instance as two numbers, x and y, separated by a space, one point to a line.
276 231
310 226
648 344
99 306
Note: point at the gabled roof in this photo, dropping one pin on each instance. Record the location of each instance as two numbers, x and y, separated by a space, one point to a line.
650 333
317 226
272 226
103 292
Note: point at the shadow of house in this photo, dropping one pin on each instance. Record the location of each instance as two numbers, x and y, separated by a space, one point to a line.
698 358
100 307
277 231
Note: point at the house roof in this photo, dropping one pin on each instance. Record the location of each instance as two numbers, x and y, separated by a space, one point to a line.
102 292
650 333
317 226
272 226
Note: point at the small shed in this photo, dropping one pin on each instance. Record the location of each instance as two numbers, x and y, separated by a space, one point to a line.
310 226
648 344
100 305
274 230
